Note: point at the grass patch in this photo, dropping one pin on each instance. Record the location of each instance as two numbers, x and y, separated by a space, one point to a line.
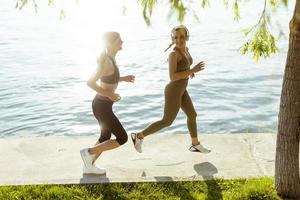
239 189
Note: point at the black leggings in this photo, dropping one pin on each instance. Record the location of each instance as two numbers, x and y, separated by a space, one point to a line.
110 124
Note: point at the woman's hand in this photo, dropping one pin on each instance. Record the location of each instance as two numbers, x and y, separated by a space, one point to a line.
198 67
129 78
114 97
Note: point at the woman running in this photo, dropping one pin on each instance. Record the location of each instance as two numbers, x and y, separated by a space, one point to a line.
176 95
108 73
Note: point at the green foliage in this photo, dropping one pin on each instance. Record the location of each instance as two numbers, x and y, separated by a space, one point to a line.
62 14
21 3
273 4
236 10
50 2
261 42
226 3
261 45
236 189
285 2
177 6
204 3
148 6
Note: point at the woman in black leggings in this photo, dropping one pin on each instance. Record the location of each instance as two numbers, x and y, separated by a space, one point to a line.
108 73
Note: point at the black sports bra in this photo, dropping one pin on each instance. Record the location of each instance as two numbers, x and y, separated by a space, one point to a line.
113 78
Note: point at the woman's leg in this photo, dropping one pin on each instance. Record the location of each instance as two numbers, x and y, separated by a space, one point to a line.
172 106
113 124
105 135
103 112
189 110
99 107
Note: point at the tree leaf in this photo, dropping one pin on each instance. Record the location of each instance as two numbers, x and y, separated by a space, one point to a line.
236 11
62 14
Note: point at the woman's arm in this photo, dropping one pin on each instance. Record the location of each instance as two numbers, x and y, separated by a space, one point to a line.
129 78
174 76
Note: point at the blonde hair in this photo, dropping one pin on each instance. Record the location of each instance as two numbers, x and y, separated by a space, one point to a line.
177 28
107 38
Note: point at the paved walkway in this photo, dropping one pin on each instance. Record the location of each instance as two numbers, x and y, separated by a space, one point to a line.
56 160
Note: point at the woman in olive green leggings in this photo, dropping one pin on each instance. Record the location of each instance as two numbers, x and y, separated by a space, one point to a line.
176 95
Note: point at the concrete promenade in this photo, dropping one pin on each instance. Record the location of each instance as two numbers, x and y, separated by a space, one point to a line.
56 159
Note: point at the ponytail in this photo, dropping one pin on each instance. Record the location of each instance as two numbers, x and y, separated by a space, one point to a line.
169 46
101 58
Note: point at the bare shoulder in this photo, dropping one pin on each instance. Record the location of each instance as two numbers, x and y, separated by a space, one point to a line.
174 54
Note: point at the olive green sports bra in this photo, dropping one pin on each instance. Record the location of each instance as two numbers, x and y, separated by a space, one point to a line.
184 63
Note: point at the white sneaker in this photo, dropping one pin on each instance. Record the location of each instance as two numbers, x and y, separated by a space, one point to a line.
87 158
199 148
137 142
93 170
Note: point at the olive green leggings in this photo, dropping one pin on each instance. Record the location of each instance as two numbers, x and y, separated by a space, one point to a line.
176 97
